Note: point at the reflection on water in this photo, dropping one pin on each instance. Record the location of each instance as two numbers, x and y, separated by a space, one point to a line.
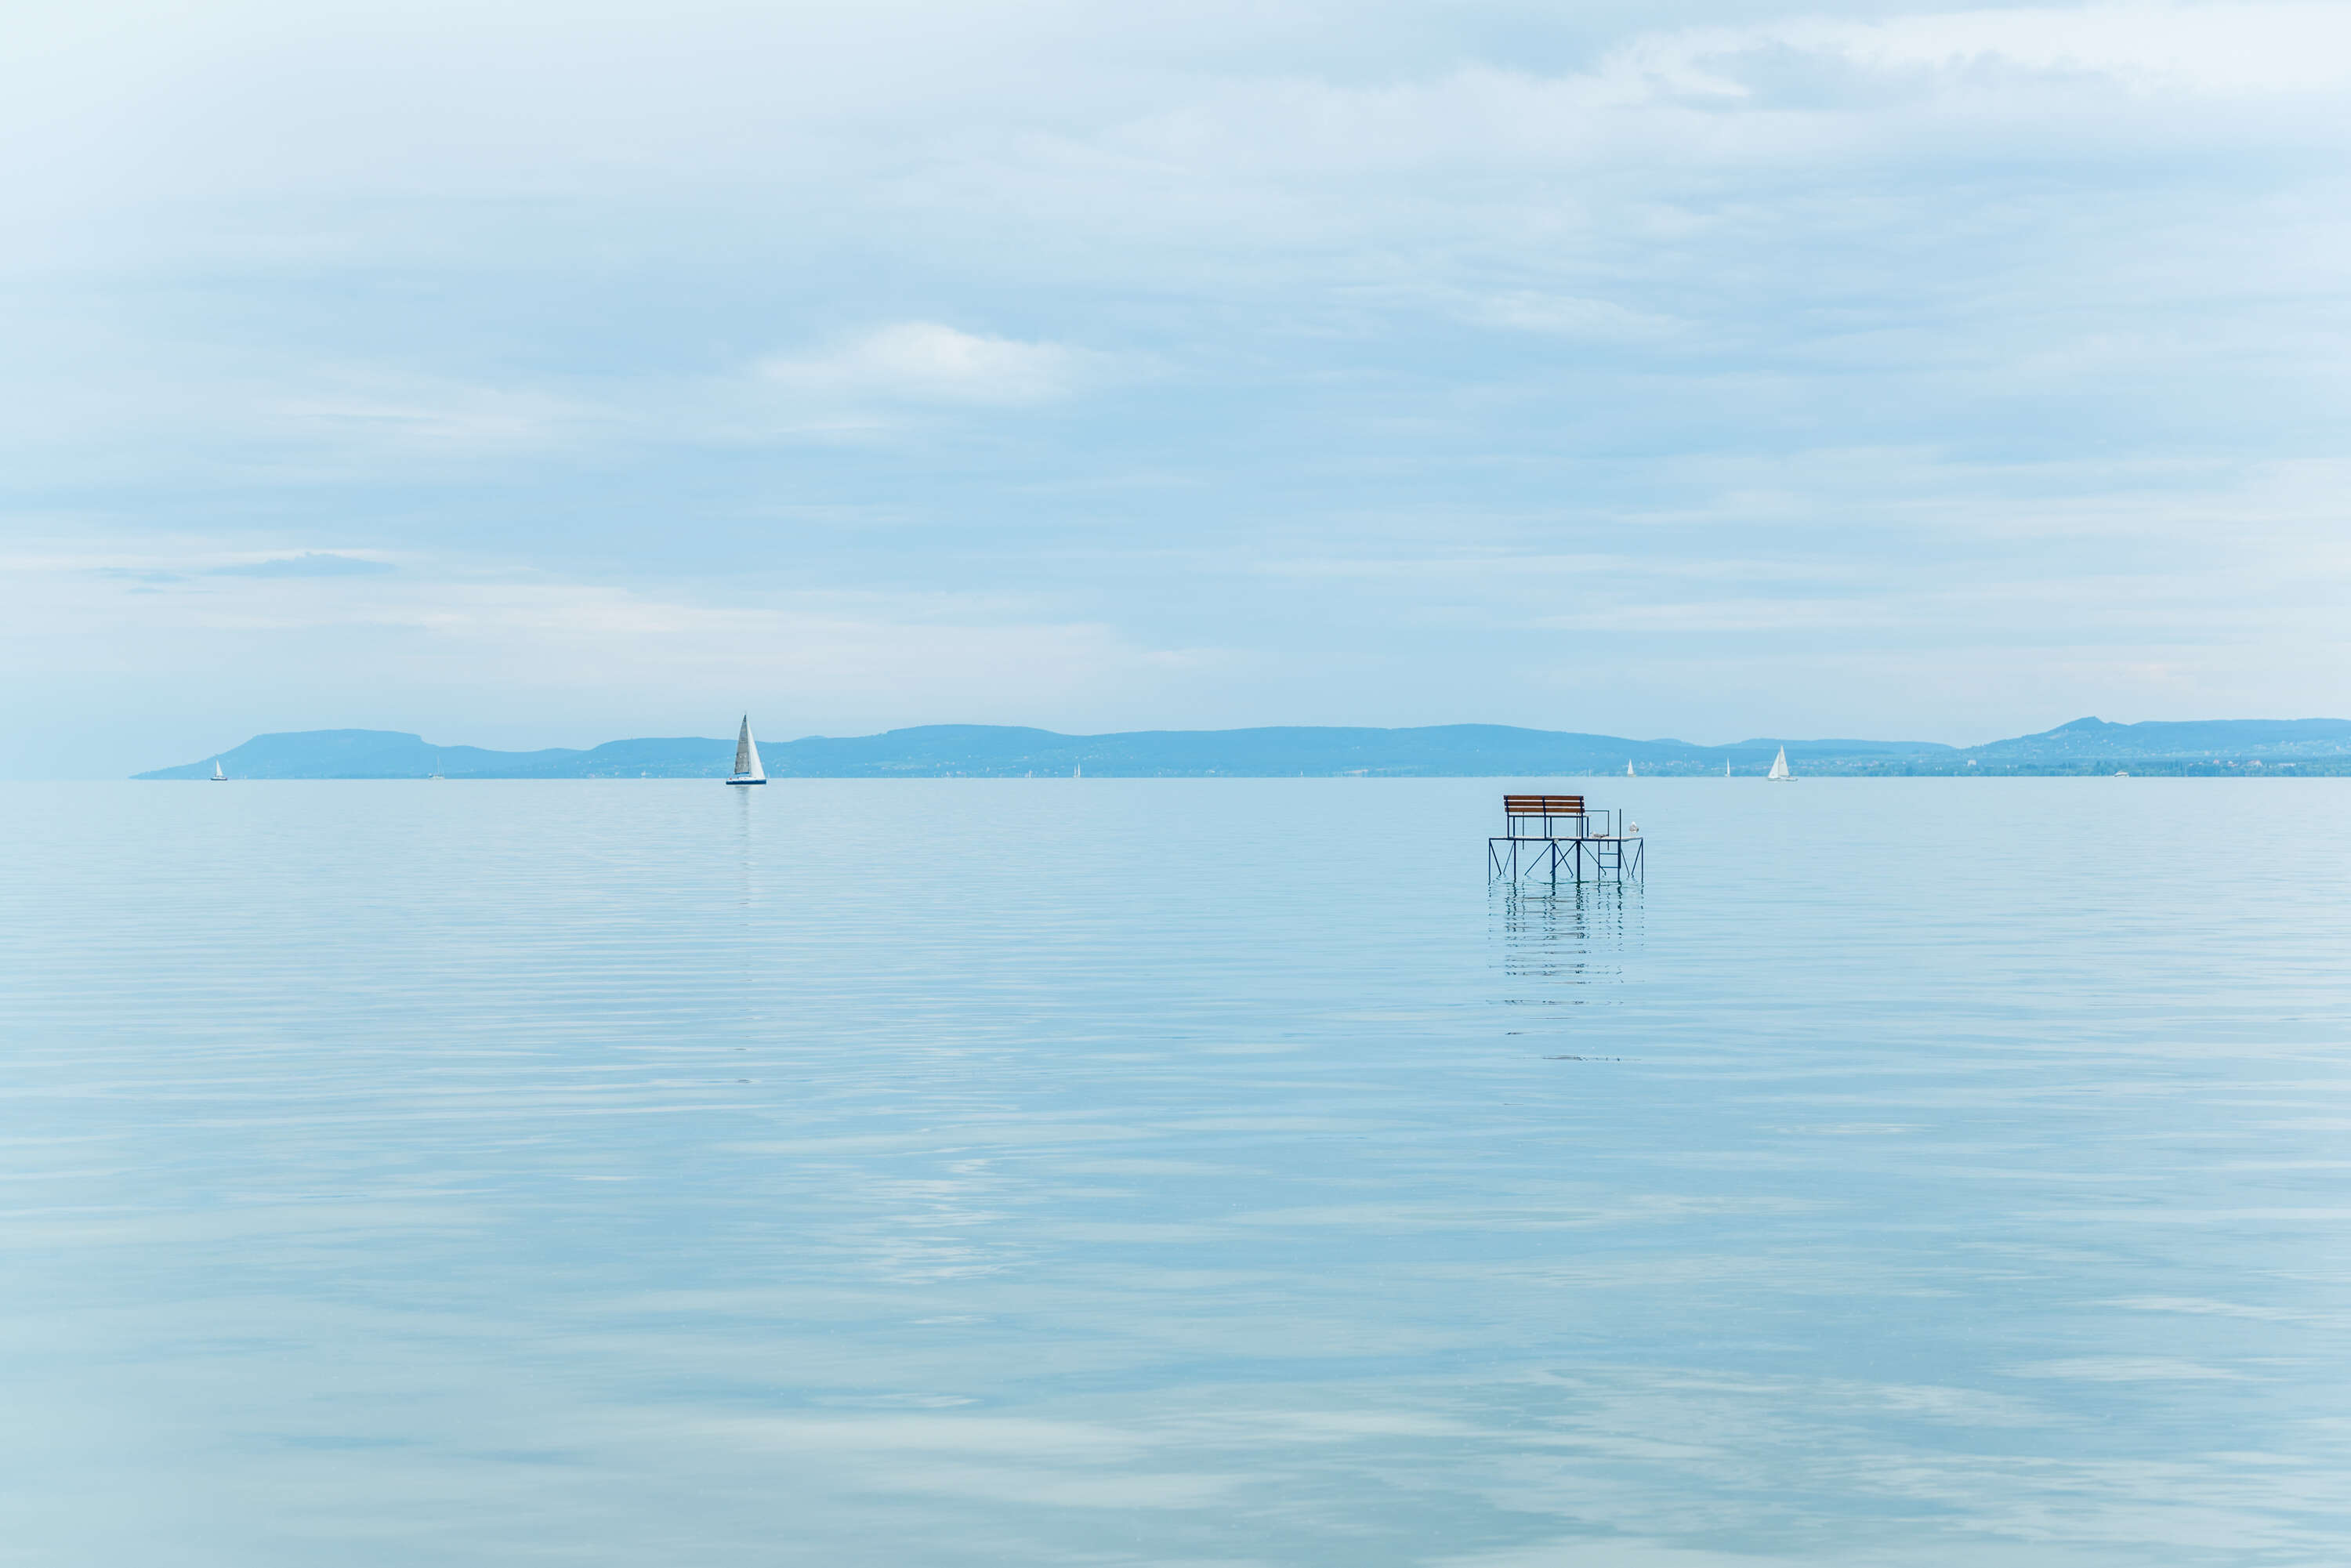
617 1174
1558 941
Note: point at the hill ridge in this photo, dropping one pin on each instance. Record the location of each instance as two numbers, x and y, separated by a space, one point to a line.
1459 750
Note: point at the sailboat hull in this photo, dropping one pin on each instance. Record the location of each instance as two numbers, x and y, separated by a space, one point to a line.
746 781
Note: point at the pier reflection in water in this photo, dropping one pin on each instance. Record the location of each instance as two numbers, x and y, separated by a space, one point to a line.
1561 946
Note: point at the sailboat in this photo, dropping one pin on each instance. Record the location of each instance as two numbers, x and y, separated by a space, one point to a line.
1628 770
746 757
218 777
1780 768
1726 771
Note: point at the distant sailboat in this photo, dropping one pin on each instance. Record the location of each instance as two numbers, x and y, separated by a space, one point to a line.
1779 768
746 757
1726 771
218 777
1628 770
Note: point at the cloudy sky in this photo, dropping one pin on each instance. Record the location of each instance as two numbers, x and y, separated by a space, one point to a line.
532 374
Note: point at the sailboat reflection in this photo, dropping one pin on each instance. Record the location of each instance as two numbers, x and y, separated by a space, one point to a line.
745 852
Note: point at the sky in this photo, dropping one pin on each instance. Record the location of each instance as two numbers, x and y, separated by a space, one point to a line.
529 374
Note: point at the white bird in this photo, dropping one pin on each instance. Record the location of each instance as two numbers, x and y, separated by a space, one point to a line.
1632 829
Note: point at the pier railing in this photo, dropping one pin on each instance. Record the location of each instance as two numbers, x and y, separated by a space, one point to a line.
1554 838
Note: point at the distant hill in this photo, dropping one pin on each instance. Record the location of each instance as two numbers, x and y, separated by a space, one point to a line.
2241 739
1458 751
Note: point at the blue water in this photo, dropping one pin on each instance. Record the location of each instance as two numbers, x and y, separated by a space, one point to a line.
1173 1172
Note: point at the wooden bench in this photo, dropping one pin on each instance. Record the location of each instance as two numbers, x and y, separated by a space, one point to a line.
1545 807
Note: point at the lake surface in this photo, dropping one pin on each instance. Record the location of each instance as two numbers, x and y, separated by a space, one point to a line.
1189 1172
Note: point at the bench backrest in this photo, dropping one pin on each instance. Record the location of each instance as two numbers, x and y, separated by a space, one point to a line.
1542 805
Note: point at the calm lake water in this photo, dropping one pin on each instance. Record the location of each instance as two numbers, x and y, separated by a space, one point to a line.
1173 1172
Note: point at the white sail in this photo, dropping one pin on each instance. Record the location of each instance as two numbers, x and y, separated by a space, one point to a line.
1628 770
218 777
748 769
1779 765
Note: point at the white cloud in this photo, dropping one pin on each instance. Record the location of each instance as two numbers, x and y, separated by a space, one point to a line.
2230 49
924 362
1569 316
310 563
424 416
1786 90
